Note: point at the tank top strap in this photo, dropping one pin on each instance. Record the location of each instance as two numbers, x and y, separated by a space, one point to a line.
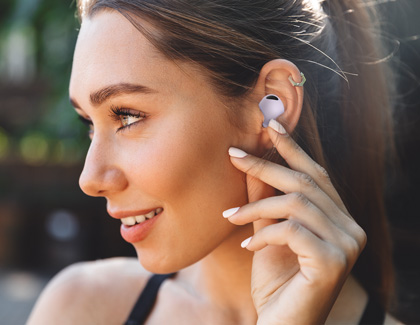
373 314
147 299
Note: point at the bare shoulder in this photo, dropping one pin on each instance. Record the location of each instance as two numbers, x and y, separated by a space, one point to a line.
350 305
91 292
390 320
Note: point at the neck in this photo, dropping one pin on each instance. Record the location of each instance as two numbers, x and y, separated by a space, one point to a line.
223 278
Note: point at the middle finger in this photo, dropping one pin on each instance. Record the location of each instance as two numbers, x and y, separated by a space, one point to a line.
284 179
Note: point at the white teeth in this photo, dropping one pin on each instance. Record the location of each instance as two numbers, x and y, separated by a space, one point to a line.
151 214
131 221
140 218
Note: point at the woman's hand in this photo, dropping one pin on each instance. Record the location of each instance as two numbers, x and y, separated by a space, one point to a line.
301 262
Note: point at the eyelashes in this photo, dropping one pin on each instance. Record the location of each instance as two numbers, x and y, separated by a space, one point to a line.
88 124
126 117
85 121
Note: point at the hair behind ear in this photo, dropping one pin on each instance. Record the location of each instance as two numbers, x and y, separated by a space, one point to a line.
357 147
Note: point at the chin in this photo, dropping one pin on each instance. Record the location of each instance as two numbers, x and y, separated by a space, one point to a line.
163 261
162 265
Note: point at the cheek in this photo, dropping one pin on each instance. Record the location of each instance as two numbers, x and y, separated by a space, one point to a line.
186 168
185 164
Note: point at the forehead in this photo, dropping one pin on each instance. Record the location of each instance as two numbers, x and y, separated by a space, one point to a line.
111 50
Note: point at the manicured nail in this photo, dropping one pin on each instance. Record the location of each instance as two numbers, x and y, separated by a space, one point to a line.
246 242
276 126
237 153
230 212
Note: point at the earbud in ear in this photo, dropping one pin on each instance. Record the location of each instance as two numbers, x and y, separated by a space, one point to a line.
272 107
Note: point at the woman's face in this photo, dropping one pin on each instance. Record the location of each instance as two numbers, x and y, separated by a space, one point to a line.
160 140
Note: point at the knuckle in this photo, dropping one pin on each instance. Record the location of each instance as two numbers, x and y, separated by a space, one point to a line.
305 180
342 258
293 227
322 173
360 237
298 199
352 249
337 260
357 234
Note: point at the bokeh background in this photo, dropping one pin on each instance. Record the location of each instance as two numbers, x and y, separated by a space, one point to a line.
47 223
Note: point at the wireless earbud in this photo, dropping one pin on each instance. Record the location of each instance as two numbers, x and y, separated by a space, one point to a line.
272 107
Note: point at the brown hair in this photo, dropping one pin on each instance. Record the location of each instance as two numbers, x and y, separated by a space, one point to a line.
346 121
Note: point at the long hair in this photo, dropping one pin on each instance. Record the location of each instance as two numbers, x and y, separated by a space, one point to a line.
346 116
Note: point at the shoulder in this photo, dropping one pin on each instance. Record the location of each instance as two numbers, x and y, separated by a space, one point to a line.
390 320
90 292
350 305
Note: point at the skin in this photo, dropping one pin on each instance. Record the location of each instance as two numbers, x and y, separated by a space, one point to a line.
177 158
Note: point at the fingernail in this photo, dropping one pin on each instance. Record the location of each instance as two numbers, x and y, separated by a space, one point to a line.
276 126
246 242
230 212
237 153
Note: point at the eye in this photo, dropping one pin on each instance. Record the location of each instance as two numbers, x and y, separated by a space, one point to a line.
127 117
126 120
88 123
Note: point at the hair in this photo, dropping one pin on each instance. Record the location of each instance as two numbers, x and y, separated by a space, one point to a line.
345 124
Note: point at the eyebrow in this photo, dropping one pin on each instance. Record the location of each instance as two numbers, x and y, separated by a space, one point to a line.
98 97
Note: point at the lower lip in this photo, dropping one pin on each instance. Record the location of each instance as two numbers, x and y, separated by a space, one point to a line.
138 232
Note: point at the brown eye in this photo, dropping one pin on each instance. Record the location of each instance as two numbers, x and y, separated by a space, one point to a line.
126 117
126 120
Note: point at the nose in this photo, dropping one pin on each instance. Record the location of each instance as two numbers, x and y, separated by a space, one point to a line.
101 175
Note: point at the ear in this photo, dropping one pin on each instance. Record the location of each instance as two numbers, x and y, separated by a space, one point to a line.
274 79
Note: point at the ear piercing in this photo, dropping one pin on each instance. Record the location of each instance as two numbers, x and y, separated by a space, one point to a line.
298 84
271 105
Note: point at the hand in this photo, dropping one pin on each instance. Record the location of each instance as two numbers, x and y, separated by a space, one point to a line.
305 241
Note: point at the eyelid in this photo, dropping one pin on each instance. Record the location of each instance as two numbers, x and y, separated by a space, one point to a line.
85 120
117 112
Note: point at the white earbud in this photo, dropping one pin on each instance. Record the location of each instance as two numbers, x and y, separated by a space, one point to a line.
272 107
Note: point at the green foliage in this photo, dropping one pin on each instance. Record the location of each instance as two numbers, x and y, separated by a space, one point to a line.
37 39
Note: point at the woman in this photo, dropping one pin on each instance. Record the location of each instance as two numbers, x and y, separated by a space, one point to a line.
170 90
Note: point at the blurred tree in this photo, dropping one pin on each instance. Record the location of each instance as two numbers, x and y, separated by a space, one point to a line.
42 145
37 39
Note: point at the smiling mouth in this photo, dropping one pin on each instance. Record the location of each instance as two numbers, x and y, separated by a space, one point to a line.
131 221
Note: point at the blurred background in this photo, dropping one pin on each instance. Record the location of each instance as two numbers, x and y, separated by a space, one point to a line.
47 223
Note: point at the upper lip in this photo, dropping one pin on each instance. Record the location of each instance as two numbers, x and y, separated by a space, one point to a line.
132 213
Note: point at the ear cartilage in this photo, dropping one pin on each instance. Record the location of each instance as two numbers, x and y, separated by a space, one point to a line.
272 107
298 84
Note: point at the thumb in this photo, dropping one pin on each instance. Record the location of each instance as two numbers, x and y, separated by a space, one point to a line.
258 190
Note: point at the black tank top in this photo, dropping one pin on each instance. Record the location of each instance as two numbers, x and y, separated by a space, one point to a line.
372 315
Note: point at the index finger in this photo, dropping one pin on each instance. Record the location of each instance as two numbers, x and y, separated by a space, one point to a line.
283 179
